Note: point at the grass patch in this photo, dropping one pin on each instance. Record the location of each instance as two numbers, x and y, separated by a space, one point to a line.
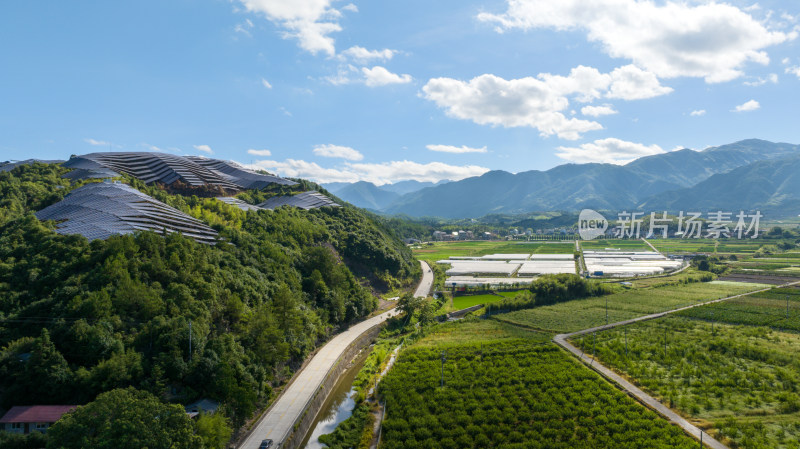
462 302
619 244
444 250
585 313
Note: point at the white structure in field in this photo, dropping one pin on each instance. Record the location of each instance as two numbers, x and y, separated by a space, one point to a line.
505 269
469 281
628 264
481 267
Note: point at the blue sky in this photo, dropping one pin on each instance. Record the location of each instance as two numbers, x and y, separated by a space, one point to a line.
386 91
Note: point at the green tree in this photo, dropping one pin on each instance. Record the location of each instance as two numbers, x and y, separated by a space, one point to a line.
213 429
124 419
409 304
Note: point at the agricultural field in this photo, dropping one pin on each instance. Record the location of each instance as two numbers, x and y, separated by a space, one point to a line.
620 244
723 246
778 308
739 382
472 330
444 250
462 302
585 313
509 393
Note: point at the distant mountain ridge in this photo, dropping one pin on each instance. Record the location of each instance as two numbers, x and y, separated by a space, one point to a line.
369 196
663 180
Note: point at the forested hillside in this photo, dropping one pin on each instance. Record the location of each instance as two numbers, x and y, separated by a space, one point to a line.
79 318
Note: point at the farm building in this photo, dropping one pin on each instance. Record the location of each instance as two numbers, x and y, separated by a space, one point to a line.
33 418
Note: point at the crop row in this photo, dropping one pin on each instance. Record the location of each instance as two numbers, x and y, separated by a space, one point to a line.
512 394
716 372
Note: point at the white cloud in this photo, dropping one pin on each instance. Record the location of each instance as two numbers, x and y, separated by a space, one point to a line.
669 39
350 7
597 111
611 151
698 113
453 149
263 153
772 78
309 21
157 149
751 105
379 76
203 148
793 71
328 150
379 174
97 143
344 75
540 102
266 83
491 100
785 61
632 83
626 83
363 56
244 27
374 77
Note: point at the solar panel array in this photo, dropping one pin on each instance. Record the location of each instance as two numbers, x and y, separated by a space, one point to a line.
100 210
168 168
239 175
238 203
306 200
10 165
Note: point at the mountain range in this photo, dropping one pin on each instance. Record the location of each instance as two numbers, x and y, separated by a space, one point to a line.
750 174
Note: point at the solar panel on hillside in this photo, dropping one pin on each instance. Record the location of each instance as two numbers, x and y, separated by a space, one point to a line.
238 203
306 200
100 210
239 175
169 168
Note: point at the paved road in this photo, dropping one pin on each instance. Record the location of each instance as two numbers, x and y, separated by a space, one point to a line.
628 387
425 285
643 397
280 418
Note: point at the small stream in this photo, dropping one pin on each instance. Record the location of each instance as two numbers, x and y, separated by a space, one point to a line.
338 407
341 402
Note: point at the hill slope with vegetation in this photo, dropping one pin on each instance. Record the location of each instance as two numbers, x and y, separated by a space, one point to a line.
173 317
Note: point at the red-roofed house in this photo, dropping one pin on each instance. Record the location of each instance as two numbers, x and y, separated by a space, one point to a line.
29 418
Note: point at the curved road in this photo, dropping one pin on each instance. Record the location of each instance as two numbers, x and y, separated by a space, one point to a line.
425 285
280 418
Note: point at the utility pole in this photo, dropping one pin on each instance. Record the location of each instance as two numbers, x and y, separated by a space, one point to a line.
190 340
701 438
444 358
594 344
665 341
606 310
626 341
